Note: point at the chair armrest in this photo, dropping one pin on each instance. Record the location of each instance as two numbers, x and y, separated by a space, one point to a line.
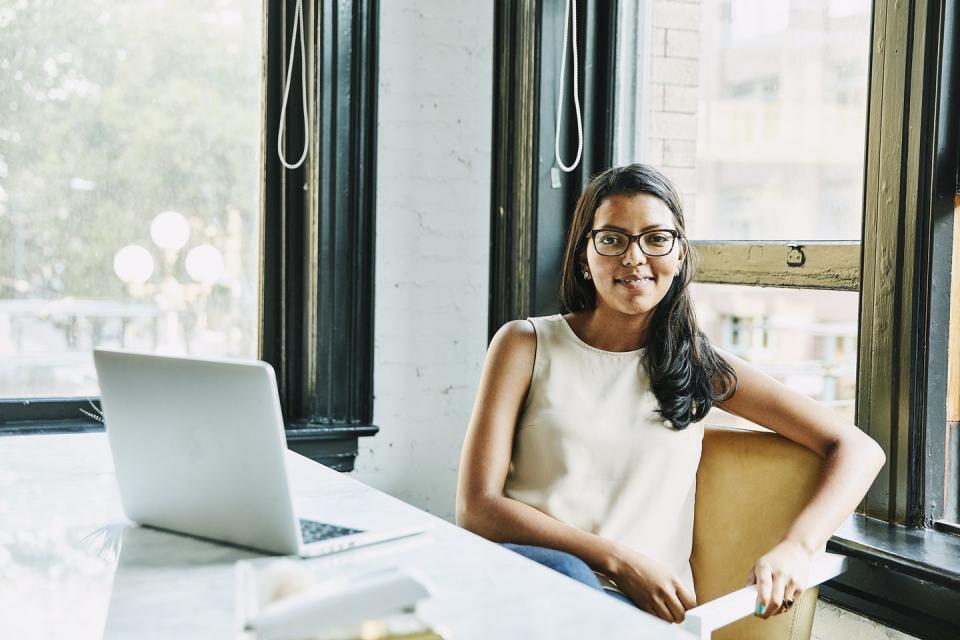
707 618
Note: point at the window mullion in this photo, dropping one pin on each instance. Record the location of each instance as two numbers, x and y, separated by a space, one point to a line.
317 328
891 391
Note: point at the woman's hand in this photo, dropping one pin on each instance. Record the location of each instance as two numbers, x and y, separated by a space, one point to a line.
652 586
780 576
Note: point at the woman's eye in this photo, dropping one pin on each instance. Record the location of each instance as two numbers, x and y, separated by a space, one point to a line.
660 238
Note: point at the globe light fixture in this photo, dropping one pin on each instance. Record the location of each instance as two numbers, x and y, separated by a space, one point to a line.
205 264
170 230
133 264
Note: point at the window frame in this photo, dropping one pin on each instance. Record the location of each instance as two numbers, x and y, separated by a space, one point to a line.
530 207
313 240
904 571
317 335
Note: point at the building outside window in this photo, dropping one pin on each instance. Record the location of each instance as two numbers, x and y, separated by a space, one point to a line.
757 111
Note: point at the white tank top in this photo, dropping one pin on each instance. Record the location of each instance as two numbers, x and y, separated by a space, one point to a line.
591 450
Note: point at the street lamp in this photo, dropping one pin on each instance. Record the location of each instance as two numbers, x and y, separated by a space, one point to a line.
170 230
205 264
134 265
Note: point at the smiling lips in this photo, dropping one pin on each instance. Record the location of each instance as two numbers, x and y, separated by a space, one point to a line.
634 281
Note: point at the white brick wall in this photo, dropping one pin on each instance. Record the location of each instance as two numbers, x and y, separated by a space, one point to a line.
675 71
680 99
683 43
676 15
674 31
433 204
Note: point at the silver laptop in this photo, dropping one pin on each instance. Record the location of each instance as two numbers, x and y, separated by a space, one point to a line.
199 448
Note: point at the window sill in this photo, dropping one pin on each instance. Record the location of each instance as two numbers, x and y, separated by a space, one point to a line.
908 579
334 445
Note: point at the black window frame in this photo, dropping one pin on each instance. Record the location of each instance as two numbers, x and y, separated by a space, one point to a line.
904 564
317 259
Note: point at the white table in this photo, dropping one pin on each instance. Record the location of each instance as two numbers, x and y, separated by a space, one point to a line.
71 565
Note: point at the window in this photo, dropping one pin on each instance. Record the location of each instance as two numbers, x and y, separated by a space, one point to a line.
129 185
142 203
741 113
818 150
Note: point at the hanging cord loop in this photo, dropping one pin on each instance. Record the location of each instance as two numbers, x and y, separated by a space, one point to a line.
576 89
297 24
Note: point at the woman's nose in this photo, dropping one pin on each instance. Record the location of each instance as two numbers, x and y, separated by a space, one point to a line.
633 254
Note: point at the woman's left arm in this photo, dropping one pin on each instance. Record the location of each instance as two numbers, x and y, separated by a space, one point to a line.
851 462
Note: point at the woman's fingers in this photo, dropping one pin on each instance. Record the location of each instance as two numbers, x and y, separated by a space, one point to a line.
778 589
676 609
663 610
686 598
764 585
657 608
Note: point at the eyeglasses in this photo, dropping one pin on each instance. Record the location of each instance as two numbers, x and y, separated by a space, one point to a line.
658 242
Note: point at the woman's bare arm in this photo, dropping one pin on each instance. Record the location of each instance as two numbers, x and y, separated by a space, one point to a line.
481 504
851 460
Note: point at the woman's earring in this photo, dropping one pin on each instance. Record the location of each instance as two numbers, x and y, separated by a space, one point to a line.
586 275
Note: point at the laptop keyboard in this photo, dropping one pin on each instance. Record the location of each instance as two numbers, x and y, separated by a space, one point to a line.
312 531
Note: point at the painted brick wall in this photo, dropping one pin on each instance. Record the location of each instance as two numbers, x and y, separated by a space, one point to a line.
433 220
674 80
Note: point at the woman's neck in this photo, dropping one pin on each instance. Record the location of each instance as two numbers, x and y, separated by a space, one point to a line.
610 330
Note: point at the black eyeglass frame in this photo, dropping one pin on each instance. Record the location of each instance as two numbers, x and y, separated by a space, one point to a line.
592 234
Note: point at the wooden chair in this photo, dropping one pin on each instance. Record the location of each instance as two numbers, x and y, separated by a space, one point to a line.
750 487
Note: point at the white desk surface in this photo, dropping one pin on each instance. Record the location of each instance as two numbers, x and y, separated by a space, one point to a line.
72 566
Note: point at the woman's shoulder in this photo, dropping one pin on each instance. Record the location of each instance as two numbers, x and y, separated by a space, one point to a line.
524 332
516 334
512 352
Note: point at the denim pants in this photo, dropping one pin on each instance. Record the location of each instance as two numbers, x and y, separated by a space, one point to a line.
567 564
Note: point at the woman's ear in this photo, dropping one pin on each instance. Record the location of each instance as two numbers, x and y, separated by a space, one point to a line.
581 261
681 257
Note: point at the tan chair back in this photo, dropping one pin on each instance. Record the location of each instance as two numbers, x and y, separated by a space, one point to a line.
750 487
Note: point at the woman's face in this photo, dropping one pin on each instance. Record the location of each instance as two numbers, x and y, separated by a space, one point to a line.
632 283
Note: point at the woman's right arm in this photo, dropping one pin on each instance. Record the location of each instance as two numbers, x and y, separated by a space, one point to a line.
481 504
483 509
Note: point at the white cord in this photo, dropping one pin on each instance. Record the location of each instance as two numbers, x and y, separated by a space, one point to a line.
576 90
297 21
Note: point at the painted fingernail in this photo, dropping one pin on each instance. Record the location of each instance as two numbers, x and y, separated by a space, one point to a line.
760 609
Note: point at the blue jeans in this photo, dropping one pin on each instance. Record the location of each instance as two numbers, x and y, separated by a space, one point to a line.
567 564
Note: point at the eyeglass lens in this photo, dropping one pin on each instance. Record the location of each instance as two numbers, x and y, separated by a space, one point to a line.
614 243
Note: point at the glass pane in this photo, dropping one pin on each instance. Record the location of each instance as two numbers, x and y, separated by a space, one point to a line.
805 339
755 108
129 184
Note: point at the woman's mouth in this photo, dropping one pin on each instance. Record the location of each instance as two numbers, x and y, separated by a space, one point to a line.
635 283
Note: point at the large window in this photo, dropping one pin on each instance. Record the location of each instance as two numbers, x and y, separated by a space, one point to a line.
130 185
143 205
757 111
816 146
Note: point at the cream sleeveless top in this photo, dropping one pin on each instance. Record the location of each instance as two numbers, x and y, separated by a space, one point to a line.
591 450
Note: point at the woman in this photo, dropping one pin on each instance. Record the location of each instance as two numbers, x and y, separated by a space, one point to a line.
584 442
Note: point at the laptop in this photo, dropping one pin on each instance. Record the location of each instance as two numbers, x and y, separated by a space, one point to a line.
198 446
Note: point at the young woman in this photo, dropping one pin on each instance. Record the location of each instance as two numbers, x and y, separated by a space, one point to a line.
583 446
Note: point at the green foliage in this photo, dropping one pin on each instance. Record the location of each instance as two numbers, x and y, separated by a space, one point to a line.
112 112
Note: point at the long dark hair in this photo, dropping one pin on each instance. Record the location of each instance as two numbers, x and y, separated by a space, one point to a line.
686 373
